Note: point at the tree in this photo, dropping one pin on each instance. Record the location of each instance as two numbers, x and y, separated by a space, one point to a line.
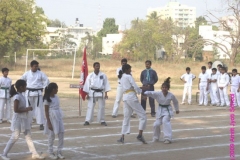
230 24
153 16
21 25
57 23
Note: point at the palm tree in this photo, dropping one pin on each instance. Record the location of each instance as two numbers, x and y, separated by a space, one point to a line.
153 16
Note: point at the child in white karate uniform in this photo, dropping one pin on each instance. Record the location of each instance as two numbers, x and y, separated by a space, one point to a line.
214 88
21 121
164 112
187 78
235 87
5 85
203 87
223 81
54 123
131 103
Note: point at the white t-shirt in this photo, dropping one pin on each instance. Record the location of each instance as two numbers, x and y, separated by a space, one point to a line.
188 78
5 83
214 84
209 72
223 80
204 77
235 80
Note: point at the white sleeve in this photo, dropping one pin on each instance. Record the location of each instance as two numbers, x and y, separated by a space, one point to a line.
182 76
152 94
24 76
87 84
175 103
45 80
136 88
117 71
199 75
106 84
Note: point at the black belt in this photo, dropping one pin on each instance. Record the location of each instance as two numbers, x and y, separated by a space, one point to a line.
33 90
5 88
119 83
96 90
165 106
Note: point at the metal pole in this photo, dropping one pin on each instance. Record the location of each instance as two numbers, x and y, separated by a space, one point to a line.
26 61
74 60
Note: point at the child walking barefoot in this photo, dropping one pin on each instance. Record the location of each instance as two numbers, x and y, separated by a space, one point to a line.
164 112
54 123
21 121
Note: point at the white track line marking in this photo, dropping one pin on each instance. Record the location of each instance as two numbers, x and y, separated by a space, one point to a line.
160 151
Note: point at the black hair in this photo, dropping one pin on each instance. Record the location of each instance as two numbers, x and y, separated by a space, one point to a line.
224 68
48 91
203 67
214 69
210 63
125 67
18 84
167 82
95 63
39 69
120 73
188 69
219 65
5 69
124 60
234 70
34 62
148 61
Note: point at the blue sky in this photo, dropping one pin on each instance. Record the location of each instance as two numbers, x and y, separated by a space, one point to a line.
87 11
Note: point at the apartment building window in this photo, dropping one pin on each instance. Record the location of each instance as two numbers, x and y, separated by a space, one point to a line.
112 41
107 41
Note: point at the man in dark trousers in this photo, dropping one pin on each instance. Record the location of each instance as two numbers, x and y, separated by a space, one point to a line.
148 78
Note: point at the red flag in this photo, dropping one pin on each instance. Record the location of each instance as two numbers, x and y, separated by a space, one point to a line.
84 74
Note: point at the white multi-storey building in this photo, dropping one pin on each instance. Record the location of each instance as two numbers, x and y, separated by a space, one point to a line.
212 38
109 42
182 15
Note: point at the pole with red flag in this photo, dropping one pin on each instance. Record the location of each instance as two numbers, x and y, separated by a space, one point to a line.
83 76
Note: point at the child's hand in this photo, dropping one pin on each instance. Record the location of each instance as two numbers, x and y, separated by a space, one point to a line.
50 126
87 96
238 90
144 97
177 112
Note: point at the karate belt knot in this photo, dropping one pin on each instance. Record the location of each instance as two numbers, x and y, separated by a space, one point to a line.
166 106
33 90
96 90
5 88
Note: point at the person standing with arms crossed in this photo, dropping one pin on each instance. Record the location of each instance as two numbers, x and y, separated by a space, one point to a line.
148 78
36 81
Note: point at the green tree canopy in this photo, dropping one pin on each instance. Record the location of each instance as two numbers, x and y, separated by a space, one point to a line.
57 23
21 25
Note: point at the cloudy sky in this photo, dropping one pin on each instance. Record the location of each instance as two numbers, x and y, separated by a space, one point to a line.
87 11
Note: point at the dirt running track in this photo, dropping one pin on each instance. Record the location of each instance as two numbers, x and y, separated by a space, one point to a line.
197 135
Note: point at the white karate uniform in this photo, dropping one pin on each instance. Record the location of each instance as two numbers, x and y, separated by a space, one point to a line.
21 122
5 86
131 103
187 86
55 116
119 95
203 98
94 81
35 80
209 72
214 90
163 114
223 81
235 81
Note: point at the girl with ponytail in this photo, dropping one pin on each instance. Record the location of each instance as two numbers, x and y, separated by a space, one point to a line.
21 122
54 124
164 112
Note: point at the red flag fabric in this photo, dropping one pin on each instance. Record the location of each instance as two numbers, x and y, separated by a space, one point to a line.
84 74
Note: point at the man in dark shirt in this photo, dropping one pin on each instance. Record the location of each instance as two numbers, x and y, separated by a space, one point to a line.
148 78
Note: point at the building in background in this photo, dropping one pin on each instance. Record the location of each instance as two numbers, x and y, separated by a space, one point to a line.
109 42
182 15
210 37
228 23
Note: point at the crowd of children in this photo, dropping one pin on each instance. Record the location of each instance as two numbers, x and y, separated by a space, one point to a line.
213 81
